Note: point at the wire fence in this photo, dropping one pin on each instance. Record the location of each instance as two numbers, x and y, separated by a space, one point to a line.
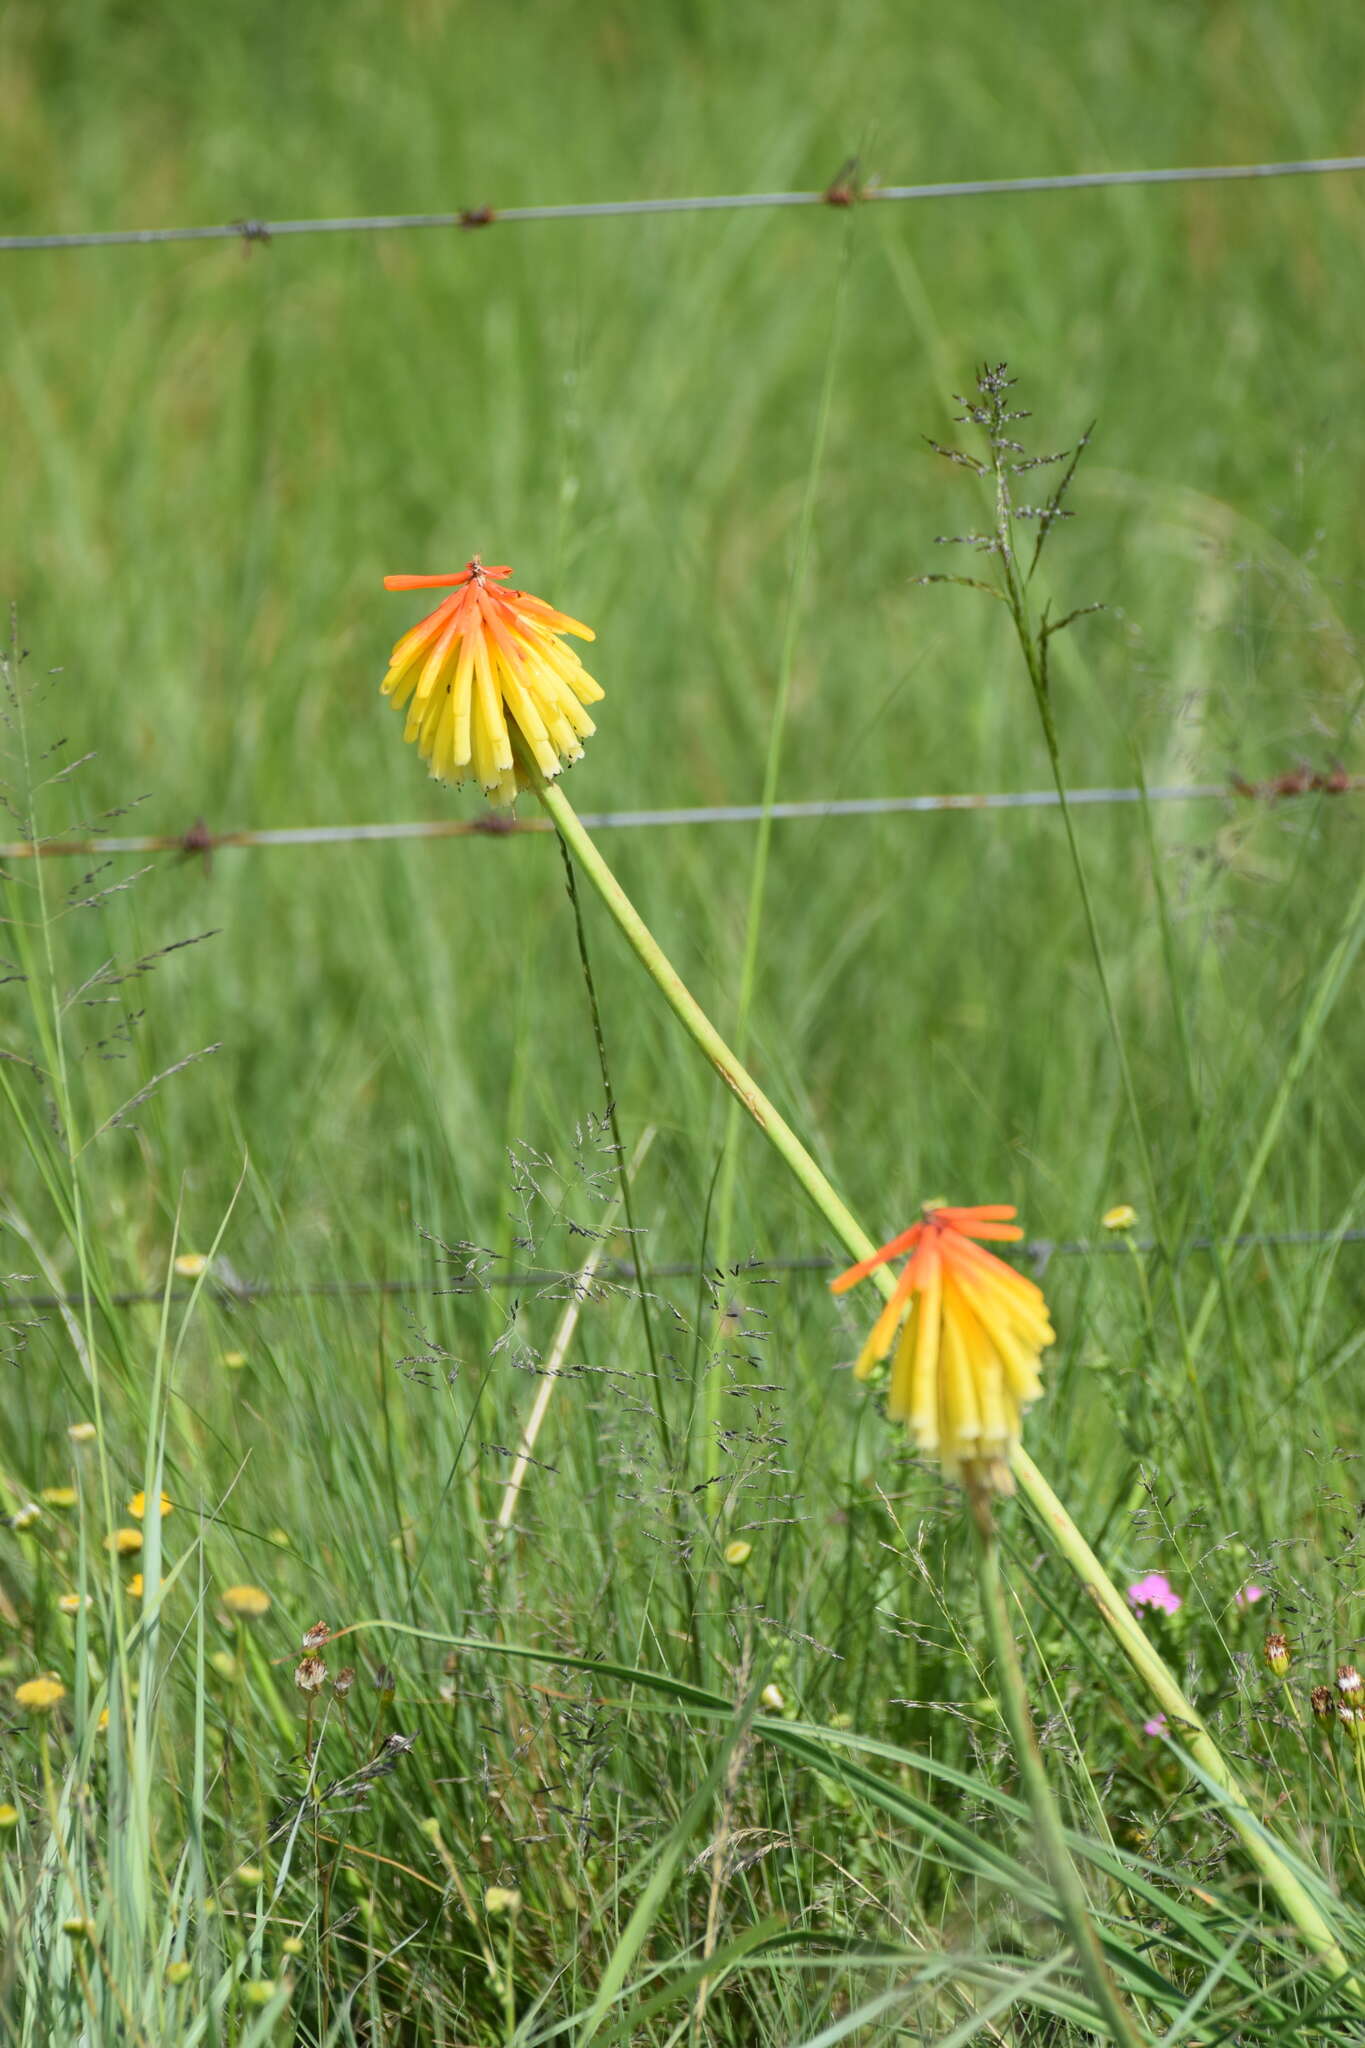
846 189
229 1288
199 839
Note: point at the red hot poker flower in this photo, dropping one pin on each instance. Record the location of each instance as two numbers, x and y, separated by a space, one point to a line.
486 664
971 1335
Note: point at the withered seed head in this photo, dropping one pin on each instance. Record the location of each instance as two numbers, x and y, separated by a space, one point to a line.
310 1674
1323 1705
316 1636
343 1681
1349 1687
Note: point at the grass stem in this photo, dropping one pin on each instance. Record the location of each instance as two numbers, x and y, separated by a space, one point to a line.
1014 1700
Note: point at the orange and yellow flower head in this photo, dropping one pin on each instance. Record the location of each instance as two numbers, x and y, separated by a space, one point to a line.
487 665
969 1333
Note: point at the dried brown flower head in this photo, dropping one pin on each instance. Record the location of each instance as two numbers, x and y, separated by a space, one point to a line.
310 1675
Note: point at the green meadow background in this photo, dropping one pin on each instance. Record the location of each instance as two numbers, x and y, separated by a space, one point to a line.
213 454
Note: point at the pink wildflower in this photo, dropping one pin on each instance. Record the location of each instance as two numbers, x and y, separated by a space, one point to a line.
1156 1726
1156 1591
1249 1595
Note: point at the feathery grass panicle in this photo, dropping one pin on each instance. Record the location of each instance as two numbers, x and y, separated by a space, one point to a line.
489 663
969 1332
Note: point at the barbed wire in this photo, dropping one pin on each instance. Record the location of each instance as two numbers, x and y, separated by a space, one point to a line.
230 1290
498 825
845 190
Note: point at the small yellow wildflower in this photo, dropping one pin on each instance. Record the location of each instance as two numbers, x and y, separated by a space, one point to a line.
249 1603
9 1819
738 1552
103 1722
225 1664
26 1516
291 1945
189 1265
78 1929
771 1698
135 1586
248 1876
234 1360
124 1542
72 1603
137 1506
39 1695
177 1972
501 1898
260 1990
1121 1217
486 665
58 1496
82 1432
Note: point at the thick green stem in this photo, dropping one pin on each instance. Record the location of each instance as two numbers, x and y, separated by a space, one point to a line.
1301 1908
1014 1701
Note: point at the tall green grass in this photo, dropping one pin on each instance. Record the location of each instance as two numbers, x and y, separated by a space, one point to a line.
213 456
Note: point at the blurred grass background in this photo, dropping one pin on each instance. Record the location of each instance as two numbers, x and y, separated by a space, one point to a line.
215 453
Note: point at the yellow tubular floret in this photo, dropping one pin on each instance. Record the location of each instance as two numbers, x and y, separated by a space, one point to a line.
900 1394
923 1416
959 1419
